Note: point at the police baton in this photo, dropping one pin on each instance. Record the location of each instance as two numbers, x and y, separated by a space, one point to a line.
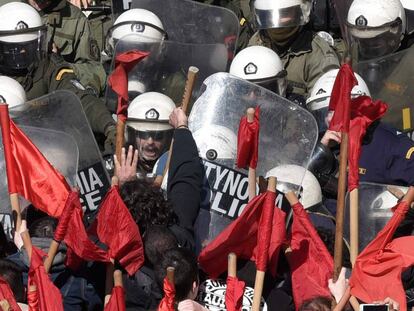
188 91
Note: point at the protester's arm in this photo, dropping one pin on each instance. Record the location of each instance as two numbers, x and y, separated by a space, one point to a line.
185 172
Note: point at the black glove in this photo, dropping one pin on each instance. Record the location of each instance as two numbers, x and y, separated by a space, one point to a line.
110 139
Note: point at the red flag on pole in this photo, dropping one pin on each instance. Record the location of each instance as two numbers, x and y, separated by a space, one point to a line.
248 141
341 100
117 300
118 80
377 270
48 296
117 229
241 237
7 294
310 262
28 171
363 112
167 302
234 294
76 237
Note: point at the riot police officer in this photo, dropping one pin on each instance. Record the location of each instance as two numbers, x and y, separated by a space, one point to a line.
305 55
23 56
148 129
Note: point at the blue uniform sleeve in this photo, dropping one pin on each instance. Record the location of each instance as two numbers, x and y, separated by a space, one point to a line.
401 166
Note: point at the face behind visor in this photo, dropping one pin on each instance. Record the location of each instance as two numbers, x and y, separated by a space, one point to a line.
22 37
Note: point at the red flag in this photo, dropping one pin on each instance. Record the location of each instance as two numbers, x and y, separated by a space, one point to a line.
118 80
167 302
363 112
241 238
248 141
234 294
310 262
118 230
117 300
377 271
7 294
48 295
341 99
76 237
28 172
33 300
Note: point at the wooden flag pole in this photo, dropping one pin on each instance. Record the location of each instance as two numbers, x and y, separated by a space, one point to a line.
354 225
6 136
170 274
232 265
188 91
260 275
252 171
340 209
119 138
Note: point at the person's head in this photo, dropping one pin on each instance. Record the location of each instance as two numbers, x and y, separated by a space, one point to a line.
157 241
320 95
319 303
281 18
12 274
147 205
135 25
11 92
260 65
148 127
377 26
43 227
186 272
22 37
292 177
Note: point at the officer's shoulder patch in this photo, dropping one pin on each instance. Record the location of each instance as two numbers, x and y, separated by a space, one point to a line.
62 71
409 153
77 84
362 171
94 51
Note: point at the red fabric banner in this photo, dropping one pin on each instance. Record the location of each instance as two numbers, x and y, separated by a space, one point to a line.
248 141
167 302
117 300
310 263
234 294
7 294
241 238
118 80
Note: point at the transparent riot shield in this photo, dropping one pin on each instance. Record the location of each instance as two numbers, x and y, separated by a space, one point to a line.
375 203
165 69
341 10
288 135
59 148
189 21
390 79
62 111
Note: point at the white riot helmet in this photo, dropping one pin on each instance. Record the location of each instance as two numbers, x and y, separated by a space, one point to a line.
377 26
11 92
148 125
320 95
290 177
281 13
262 66
216 142
22 36
409 13
136 25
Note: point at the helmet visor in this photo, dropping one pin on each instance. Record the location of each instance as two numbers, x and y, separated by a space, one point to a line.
292 16
321 118
277 84
375 42
20 49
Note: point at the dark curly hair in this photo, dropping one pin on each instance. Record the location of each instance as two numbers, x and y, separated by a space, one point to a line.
147 205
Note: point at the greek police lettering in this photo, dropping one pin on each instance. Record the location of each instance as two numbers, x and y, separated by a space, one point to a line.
127 4
225 191
93 185
6 221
